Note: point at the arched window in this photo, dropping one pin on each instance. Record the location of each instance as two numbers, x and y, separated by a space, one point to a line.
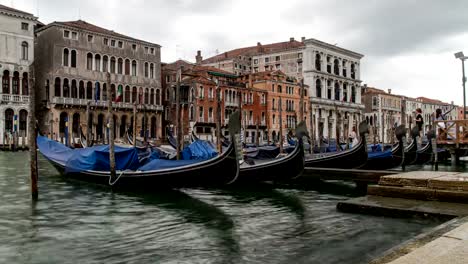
318 62
16 83
23 120
81 92
89 90
9 119
74 89
25 85
151 70
112 65
104 92
134 94
353 94
105 63
273 103
337 91
280 89
65 57
73 59
89 61
134 68
120 66
57 87
152 96
140 95
353 71
329 90
158 96
345 92
66 88
146 69
113 92
97 91
24 50
97 62
127 94
127 67
336 67
318 88
6 82
146 96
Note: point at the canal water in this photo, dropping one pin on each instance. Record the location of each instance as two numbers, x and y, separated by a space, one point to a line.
75 222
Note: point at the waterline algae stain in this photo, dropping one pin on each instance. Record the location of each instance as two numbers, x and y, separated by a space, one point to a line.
78 222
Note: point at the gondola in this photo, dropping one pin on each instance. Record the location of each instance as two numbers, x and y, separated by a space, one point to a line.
85 143
171 139
347 159
390 158
139 143
279 169
411 151
425 154
220 170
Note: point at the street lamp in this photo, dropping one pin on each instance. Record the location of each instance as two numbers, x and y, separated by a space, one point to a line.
462 57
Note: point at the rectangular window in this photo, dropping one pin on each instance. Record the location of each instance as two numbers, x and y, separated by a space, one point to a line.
152 51
66 34
146 50
267 60
277 58
299 55
90 38
74 35
134 46
278 66
106 41
256 61
24 26
113 43
120 44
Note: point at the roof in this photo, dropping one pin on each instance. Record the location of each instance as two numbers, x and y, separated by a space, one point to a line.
333 47
174 66
10 9
373 90
83 25
255 50
199 68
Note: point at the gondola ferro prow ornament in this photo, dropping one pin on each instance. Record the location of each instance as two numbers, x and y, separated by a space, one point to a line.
234 128
414 132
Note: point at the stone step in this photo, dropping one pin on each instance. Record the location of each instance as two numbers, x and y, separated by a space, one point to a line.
419 193
428 179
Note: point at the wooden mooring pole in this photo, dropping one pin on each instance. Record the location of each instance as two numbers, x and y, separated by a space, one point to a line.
134 123
281 125
111 128
218 117
89 125
178 121
32 138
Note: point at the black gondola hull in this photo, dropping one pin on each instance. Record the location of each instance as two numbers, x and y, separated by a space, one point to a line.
221 170
277 170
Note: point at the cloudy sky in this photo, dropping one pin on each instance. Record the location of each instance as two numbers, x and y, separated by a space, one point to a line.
408 44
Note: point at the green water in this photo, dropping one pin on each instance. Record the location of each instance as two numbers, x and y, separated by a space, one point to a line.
75 222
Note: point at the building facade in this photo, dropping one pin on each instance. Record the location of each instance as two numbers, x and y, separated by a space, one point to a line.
383 112
16 55
71 71
333 76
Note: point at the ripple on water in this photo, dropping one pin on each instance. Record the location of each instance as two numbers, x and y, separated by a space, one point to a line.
76 222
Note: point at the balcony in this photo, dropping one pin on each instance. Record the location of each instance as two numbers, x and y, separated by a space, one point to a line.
231 104
93 103
14 98
324 101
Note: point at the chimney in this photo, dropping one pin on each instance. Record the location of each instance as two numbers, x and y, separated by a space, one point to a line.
291 39
302 39
389 91
199 57
259 47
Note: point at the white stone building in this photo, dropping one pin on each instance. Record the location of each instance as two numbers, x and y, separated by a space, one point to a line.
16 55
333 76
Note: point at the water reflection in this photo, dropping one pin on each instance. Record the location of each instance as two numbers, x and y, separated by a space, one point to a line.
79 222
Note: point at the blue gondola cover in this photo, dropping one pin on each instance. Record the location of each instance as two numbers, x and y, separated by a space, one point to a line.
198 150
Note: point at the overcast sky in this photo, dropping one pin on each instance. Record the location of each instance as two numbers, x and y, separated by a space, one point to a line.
408 44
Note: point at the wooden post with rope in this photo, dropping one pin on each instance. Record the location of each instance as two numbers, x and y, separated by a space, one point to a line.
34 173
111 129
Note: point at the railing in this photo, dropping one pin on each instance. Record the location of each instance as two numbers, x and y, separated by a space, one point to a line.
233 104
453 132
14 98
324 101
83 102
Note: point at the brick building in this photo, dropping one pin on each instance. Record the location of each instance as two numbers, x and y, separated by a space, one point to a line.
71 72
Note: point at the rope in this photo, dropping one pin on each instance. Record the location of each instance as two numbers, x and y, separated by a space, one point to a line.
110 178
